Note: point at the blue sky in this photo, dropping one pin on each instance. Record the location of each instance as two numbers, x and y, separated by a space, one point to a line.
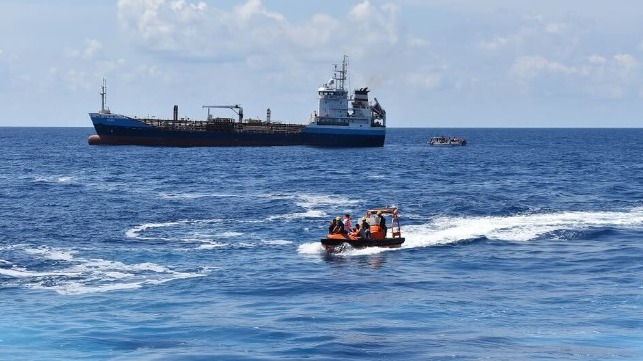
430 63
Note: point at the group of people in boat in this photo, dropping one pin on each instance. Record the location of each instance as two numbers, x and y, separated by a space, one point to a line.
362 229
443 140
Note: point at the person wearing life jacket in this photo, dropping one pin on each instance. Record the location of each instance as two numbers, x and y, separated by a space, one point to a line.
355 233
347 223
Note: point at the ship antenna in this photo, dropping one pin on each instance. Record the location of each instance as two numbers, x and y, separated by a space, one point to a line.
342 73
348 75
103 96
103 93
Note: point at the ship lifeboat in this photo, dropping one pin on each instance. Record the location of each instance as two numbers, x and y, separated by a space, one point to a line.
377 237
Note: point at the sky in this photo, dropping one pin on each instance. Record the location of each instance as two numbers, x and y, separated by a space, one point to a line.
430 63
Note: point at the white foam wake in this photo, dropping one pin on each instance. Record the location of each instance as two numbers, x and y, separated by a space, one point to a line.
77 275
515 228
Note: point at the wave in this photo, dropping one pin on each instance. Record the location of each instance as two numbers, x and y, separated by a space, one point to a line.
70 275
298 215
207 234
50 179
196 195
172 230
314 205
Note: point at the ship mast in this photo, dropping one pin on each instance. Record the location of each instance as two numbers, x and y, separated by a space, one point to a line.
103 94
340 74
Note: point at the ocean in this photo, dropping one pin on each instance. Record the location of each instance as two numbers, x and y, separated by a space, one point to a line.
526 244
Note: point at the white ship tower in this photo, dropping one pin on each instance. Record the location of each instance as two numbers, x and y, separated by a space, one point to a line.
336 109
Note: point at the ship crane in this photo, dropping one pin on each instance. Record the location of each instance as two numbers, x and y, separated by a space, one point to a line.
235 108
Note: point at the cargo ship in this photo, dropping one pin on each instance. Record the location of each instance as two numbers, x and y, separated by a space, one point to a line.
339 121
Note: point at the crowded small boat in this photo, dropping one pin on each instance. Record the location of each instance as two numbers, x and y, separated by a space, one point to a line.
371 230
447 141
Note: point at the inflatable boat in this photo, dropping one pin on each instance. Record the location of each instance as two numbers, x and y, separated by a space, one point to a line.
390 237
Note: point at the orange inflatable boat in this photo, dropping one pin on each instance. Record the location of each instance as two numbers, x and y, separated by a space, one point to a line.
377 238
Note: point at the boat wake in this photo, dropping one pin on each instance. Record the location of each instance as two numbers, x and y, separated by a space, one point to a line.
515 228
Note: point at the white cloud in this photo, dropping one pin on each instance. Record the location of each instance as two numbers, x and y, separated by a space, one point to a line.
532 66
160 25
253 9
375 24
534 34
321 28
194 30
626 61
597 76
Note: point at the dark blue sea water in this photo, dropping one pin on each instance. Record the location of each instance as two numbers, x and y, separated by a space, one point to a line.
527 244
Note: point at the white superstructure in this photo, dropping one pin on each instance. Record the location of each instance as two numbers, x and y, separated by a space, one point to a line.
336 109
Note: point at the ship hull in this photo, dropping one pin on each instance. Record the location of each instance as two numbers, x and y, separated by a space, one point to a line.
119 130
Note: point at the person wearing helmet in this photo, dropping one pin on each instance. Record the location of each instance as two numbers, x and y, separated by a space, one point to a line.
365 232
339 226
331 225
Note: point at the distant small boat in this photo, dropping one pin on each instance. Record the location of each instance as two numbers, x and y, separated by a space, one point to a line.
376 236
447 141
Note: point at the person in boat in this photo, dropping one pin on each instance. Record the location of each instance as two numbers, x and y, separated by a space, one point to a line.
382 222
365 231
371 219
339 226
331 225
347 223
336 226
395 225
355 232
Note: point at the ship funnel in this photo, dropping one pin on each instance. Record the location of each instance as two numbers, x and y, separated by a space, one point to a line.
176 113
